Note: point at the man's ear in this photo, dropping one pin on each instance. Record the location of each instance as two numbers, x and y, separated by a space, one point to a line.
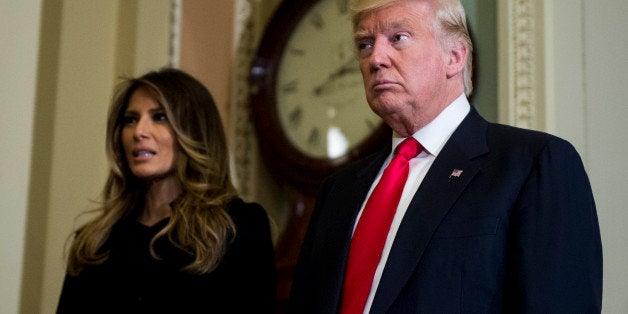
456 58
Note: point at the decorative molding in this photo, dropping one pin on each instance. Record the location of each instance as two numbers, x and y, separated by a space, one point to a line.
522 90
243 143
524 79
174 47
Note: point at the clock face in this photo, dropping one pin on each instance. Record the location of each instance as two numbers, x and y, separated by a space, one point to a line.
319 89
307 94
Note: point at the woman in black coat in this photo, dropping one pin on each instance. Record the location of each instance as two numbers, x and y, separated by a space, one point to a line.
171 235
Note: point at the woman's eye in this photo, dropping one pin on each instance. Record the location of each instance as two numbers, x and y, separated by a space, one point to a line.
160 117
126 120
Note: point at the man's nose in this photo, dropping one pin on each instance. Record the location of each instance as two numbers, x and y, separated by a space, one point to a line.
380 57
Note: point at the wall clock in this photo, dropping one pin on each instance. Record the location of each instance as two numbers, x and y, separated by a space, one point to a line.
309 108
307 97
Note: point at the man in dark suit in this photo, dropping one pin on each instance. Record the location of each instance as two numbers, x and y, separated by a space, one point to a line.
491 218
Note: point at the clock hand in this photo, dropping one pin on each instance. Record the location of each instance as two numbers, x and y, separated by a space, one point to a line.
349 67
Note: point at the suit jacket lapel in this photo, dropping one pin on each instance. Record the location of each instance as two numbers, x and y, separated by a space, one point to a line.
436 195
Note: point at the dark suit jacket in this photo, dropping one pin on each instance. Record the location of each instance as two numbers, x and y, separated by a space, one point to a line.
516 232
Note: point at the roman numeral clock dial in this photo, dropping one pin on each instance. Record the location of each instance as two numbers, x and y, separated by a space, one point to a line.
320 96
307 95
308 105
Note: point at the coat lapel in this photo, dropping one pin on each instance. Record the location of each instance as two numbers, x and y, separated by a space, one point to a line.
436 195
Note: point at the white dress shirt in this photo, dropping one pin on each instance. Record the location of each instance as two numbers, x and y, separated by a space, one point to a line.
433 137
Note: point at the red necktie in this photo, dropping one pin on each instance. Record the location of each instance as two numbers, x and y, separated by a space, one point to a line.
372 229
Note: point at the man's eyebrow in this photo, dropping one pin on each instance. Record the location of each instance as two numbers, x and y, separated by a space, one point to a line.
402 23
384 27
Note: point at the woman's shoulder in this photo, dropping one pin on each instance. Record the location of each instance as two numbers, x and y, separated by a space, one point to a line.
244 213
252 228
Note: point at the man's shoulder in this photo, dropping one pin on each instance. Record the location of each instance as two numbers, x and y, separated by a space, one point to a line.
522 135
525 140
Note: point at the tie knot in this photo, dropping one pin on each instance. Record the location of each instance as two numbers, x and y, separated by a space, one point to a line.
409 148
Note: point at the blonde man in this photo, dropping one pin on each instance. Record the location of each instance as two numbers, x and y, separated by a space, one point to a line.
490 219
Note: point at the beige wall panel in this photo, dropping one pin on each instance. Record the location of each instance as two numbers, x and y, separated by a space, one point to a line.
152 35
605 91
207 46
19 35
84 83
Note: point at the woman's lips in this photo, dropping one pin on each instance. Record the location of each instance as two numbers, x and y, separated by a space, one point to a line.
143 154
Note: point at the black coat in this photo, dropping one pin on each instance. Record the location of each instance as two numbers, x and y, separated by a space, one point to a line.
132 281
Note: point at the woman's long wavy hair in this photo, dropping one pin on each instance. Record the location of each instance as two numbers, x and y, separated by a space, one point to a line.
199 223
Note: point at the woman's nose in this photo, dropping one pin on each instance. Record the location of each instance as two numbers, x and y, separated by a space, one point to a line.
142 128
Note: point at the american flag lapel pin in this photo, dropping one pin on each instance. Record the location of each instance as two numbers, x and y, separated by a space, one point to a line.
455 173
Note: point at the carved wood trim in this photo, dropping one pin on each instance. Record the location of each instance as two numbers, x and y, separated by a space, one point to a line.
243 143
174 46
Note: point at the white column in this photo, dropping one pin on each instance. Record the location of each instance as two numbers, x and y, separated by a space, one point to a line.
19 35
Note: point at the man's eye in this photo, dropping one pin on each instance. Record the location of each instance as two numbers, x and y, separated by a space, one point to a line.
400 37
363 45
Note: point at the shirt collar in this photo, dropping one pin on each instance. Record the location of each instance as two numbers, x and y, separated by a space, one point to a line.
435 134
